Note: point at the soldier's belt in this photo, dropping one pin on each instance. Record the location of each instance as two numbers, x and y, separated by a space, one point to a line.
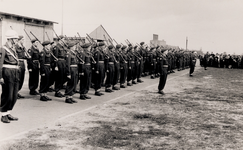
88 64
111 63
60 58
165 66
73 65
47 64
35 60
10 66
21 59
101 62
132 62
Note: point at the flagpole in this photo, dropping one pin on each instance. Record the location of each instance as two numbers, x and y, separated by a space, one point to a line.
62 20
186 42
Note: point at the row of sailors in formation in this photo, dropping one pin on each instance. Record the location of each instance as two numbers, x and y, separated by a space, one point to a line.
221 60
90 64
73 62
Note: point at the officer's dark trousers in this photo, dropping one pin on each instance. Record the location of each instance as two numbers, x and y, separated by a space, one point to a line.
44 83
21 74
61 75
163 78
116 73
124 71
72 82
34 77
9 88
158 70
110 75
99 76
205 63
130 72
192 67
85 80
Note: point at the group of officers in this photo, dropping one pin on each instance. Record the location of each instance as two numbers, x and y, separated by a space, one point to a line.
74 63
222 60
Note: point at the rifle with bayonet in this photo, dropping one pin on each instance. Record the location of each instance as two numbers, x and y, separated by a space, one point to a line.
43 46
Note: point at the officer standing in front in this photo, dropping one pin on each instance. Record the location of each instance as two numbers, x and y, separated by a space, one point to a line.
9 76
163 73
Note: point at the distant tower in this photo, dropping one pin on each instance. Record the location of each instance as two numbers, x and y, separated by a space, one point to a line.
156 41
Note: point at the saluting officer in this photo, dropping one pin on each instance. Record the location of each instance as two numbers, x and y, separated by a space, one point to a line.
163 73
85 72
9 76
45 70
22 55
33 67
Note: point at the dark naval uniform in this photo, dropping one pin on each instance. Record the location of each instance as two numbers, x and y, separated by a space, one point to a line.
123 68
110 69
163 73
85 73
192 63
131 61
117 70
60 53
72 70
53 70
99 70
152 63
21 52
33 64
10 73
45 72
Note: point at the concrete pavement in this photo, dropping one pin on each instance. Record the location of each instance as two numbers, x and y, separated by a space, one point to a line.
33 113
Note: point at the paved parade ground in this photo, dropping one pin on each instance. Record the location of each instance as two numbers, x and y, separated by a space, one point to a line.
33 113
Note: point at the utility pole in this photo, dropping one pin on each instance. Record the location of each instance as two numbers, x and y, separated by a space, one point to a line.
62 20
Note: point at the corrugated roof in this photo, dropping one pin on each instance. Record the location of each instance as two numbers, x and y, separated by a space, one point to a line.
15 15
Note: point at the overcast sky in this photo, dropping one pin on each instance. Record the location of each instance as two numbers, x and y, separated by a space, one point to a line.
213 25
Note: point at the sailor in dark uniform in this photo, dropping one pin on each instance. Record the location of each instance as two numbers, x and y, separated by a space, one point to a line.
163 73
9 76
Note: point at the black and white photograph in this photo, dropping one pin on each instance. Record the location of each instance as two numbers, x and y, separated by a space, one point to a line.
121 74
